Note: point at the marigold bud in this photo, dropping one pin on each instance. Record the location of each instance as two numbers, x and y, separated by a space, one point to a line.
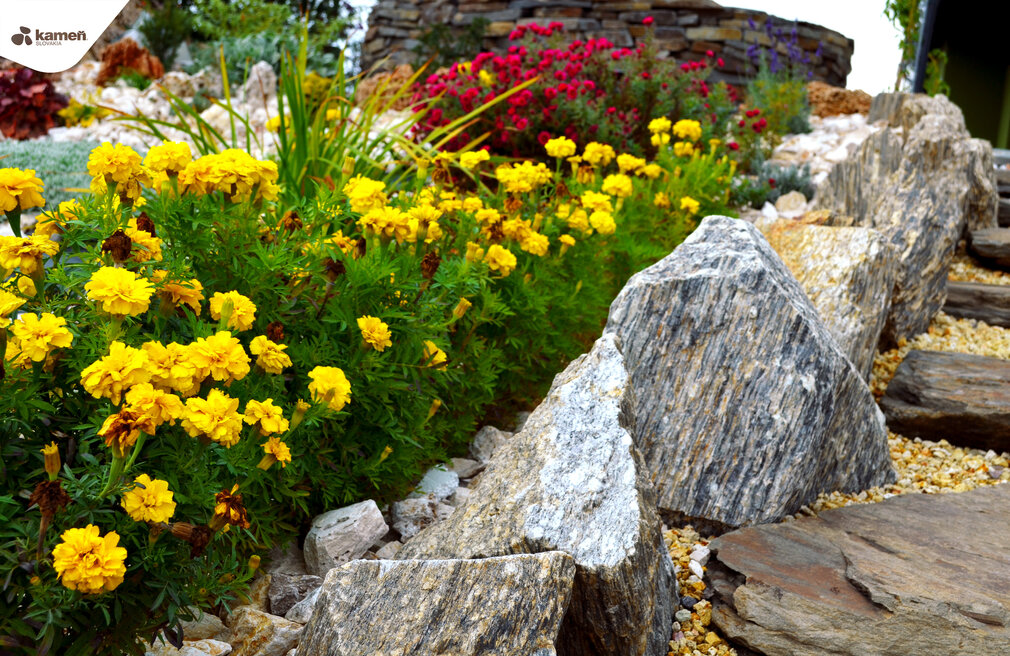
254 562
348 168
385 453
266 462
301 407
461 308
435 405
51 454
27 286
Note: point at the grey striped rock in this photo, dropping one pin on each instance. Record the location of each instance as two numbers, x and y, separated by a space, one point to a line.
341 535
746 408
848 274
573 481
507 605
921 185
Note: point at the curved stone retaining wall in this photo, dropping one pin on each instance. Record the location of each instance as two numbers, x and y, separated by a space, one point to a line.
685 29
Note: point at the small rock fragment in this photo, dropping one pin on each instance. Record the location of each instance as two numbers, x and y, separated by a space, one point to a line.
255 633
437 482
341 535
486 442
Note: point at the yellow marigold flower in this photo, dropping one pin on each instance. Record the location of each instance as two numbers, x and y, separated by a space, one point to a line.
149 501
179 292
329 385
593 201
229 509
157 405
687 129
660 139
365 194
51 459
603 222
217 417
121 292
375 332
560 147
242 310
535 243
52 222
275 451
273 124
523 177
267 416
88 562
121 369
486 79
683 149
579 220
8 304
27 286
169 157
116 163
517 229
271 357
346 245
472 204
121 430
627 162
689 204
500 259
488 216
598 154
661 200
233 172
14 357
171 368
661 124
146 247
618 184
651 171
473 158
567 241
434 356
386 221
39 335
25 253
474 252
20 189
220 356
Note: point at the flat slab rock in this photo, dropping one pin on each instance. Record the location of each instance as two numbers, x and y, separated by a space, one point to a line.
915 574
922 182
848 274
487 607
962 398
745 407
993 245
980 301
572 480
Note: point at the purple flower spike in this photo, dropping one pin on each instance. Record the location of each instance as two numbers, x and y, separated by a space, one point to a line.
750 22
820 49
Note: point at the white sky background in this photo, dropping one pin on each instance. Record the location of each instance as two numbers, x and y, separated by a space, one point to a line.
875 60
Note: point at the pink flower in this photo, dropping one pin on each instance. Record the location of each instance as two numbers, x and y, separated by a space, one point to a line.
709 53
647 20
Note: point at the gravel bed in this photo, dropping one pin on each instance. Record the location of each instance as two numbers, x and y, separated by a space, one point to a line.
965 268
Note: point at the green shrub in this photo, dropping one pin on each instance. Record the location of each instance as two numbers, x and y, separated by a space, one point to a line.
165 29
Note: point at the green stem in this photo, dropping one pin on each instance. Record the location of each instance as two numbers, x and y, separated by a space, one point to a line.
115 470
136 450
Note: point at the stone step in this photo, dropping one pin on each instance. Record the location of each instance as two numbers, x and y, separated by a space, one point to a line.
976 300
992 245
962 398
1003 213
915 574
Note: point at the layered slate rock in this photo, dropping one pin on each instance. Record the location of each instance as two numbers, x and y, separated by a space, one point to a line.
915 574
341 535
922 182
573 481
954 396
992 245
746 408
980 301
848 274
506 605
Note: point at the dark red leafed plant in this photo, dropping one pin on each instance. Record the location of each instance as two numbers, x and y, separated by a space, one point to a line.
28 104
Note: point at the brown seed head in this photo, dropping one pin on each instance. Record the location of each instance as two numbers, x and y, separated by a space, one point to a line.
118 245
145 223
50 498
429 265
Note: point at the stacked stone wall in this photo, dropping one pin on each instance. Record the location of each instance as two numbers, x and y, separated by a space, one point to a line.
684 30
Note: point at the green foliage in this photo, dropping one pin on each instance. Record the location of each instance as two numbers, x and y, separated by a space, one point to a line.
165 29
63 166
905 15
782 97
935 68
134 79
443 45
771 181
217 19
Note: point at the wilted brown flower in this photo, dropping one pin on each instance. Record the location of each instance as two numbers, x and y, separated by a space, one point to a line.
275 331
229 509
334 268
429 265
118 245
291 221
145 223
50 498
512 204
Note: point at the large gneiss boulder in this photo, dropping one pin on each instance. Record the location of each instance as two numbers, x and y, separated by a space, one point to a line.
571 480
507 605
848 274
960 397
915 574
745 407
922 182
